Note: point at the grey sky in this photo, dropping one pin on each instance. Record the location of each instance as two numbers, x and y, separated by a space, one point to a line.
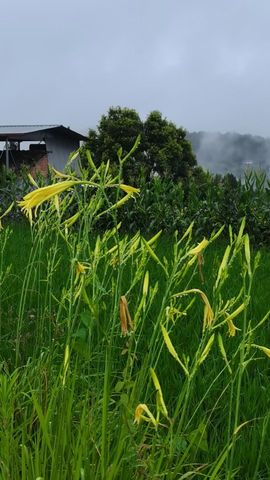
205 64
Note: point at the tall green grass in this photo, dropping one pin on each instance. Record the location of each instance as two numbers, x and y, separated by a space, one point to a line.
163 387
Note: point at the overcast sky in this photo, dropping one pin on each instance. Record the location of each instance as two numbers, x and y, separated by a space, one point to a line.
205 64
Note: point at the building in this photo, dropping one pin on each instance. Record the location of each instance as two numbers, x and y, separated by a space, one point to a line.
46 144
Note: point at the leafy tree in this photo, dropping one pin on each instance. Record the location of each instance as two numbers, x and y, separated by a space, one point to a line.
118 129
168 152
164 148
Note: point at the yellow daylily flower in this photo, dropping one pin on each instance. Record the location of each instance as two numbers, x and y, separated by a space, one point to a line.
80 272
232 328
81 268
263 349
208 317
200 247
35 198
140 409
128 188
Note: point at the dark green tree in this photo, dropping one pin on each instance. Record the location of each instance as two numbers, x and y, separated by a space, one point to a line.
164 149
118 129
168 152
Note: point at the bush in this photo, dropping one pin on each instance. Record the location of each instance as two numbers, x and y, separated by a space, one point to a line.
209 200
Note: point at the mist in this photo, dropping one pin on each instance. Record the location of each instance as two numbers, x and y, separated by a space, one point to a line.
231 152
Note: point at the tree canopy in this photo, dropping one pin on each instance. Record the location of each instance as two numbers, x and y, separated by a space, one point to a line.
164 149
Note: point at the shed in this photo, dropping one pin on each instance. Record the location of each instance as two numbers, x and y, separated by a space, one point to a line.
54 143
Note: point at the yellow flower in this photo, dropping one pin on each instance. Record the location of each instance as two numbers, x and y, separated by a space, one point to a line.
208 317
35 198
200 247
80 272
263 349
232 328
128 188
81 269
142 408
266 351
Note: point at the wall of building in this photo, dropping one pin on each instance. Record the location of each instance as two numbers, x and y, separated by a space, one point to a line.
59 149
40 167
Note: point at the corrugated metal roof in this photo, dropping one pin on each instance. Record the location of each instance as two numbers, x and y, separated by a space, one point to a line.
36 132
18 129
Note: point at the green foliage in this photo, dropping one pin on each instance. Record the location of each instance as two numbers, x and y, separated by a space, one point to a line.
13 185
122 357
167 150
174 191
164 148
116 131
210 201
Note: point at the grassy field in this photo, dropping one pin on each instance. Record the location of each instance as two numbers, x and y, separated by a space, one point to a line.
115 366
123 357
